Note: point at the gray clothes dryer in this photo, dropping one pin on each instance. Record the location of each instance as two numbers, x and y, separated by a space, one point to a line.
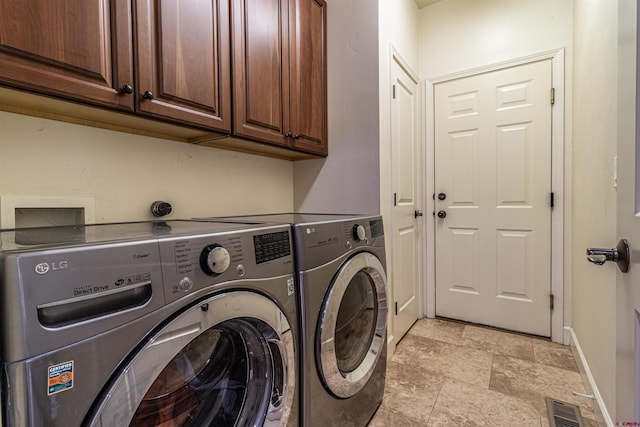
153 323
340 266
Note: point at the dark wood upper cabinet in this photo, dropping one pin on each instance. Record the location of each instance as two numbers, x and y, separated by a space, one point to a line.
183 61
83 50
76 49
279 68
309 76
254 69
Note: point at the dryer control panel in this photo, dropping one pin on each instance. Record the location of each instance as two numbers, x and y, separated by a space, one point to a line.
325 241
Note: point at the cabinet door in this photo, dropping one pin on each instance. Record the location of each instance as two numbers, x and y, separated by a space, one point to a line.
183 61
260 42
309 75
76 49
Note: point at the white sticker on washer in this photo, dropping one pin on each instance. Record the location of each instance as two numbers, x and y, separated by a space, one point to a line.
60 377
290 287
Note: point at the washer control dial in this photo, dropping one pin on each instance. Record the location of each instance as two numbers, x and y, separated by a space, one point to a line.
214 260
359 233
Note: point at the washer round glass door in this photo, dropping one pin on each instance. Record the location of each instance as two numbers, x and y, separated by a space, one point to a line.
227 361
352 325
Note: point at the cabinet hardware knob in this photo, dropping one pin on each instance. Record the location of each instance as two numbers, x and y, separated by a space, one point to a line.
288 135
296 137
442 214
147 94
126 90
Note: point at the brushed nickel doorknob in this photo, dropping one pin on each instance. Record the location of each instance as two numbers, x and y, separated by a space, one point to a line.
621 255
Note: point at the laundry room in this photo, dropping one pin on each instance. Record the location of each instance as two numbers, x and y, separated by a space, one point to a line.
82 145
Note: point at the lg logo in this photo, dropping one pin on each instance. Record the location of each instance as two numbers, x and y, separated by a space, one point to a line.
45 267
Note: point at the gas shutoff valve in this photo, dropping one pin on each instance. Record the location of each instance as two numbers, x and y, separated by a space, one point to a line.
160 208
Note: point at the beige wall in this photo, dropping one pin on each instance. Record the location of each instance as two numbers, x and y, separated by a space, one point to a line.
125 173
594 198
458 35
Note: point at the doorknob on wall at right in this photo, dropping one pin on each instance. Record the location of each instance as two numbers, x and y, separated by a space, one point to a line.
621 255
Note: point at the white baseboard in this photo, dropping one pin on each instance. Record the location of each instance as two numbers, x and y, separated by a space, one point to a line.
601 411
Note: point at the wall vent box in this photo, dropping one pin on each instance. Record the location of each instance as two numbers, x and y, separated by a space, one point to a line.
21 212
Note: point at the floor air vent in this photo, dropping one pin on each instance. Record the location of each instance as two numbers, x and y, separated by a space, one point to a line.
563 414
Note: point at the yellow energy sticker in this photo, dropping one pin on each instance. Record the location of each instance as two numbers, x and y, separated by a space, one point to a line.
60 377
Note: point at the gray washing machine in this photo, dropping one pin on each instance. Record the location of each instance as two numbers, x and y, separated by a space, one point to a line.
340 266
176 323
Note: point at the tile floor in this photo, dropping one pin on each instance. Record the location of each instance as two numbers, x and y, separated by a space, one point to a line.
447 373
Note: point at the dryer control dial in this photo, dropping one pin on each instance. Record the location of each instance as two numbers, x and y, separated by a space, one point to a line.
359 232
214 260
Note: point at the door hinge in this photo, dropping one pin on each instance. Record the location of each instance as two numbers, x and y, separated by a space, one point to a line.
551 301
395 199
551 199
396 308
553 95
394 91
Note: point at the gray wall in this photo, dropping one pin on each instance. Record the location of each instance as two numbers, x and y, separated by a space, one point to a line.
348 181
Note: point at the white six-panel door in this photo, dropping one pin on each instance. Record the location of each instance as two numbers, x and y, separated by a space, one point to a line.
407 254
492 190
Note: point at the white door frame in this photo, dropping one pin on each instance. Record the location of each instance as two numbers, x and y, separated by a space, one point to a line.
386 205
560 184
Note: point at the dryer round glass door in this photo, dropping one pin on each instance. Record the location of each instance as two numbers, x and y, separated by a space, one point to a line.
352 325
227 361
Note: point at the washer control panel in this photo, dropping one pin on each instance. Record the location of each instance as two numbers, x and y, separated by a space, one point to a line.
194 263
271 246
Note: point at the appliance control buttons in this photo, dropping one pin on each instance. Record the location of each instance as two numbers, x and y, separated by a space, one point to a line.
185 284
240 270
214 260
359 233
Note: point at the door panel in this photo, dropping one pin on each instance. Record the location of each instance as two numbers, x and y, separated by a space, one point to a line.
352 325
493 230
261 69
183 61
79 49
245 349
308 75
178 57
627 396
407 255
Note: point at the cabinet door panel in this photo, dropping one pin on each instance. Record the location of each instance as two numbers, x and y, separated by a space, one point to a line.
261 69
183 60
308 76
78 49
